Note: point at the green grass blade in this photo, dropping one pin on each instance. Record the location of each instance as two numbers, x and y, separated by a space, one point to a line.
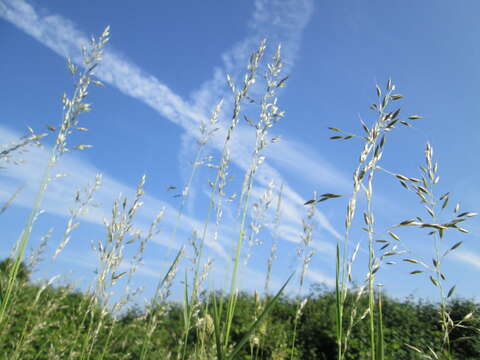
380 341
338 305
252 328
217 313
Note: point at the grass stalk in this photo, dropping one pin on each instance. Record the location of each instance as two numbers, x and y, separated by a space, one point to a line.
380 353
72 109
269 115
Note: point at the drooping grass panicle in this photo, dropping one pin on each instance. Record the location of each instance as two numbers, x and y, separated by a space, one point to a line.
7 151
11 199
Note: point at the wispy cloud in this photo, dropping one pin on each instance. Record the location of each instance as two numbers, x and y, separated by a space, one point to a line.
319 277
278 21
467 257
60 195
281 21
285 20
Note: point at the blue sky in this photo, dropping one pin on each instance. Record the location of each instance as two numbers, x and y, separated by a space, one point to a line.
165 70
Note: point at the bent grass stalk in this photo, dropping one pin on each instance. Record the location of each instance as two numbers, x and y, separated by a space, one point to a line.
72 109
8 150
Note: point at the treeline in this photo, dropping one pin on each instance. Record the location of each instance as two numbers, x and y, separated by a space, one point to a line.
49 322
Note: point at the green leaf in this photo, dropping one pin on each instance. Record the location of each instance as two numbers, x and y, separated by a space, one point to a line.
252 328
216 328
380 353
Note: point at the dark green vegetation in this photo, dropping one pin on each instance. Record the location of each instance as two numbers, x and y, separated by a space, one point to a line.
411 322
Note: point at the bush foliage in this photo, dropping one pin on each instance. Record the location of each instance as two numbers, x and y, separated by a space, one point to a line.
409 321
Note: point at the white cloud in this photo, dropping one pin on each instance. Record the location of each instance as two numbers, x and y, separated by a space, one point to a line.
319 277
60 194
468 257
281 21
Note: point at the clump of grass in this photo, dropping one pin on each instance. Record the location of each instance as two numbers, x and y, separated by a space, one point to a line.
217 196
208 318
374 140
435 206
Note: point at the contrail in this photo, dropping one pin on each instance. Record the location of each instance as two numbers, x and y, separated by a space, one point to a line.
282 19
